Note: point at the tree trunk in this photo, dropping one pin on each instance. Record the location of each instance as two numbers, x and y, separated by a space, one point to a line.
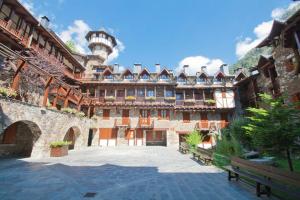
288 154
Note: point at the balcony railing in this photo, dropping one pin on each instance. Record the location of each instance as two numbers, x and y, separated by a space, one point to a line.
145 122
6 25
202 125
122 122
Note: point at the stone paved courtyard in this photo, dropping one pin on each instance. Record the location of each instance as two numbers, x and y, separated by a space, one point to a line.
117 173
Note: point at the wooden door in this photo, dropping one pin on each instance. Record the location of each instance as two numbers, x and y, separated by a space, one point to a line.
139 137
224 120
203 120
125 117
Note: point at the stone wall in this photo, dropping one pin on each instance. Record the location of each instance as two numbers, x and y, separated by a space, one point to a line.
53 125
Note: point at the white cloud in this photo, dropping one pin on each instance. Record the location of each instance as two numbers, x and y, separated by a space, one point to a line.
196 62
116 51
77 32
261 31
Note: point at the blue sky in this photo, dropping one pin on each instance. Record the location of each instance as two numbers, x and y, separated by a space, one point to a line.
169 32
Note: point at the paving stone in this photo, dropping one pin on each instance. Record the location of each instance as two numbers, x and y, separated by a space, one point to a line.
127 173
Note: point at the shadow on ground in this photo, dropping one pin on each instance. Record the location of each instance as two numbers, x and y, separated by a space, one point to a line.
31 180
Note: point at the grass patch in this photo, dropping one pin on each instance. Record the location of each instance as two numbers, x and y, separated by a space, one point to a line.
282 163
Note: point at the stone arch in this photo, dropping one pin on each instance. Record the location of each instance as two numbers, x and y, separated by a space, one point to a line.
71 135
19 139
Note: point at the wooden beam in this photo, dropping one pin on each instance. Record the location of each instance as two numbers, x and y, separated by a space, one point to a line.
46 92
66 102
17 76
56 98
79 103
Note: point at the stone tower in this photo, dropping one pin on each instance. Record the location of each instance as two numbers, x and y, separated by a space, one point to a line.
101 43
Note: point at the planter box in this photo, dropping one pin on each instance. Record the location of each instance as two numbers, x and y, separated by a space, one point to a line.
59 151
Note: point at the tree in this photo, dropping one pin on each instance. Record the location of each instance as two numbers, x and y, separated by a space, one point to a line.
193 139
71 45
274 127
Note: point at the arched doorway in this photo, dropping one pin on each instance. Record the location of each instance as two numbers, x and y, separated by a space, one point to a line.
71 136
18 139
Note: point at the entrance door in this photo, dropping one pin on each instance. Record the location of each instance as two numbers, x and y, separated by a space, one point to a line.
130 137
156 138
125 117
139 137
90 138
108 136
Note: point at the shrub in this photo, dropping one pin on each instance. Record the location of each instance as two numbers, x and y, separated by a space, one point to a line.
193 139
69 110
210 101
130 98
8 92
151 98
228 146
80 114
59 144
94 117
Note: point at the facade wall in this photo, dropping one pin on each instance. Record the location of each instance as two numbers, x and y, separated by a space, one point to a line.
52 125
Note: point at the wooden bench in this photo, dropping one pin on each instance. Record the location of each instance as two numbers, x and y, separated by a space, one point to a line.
203 155
184 147
265 177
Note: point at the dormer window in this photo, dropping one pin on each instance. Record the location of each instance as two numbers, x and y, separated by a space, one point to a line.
99 69
164 75
181 78
108 75
128 75
144 75
220 78
202 78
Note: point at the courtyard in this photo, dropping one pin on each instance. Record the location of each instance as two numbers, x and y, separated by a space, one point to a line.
117 173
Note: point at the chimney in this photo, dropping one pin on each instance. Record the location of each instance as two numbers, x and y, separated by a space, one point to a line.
224 68
157 68
184 68
116 68
137 68
45 22
204 69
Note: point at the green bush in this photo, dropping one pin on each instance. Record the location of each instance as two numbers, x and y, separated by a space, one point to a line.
229 146
193 139
59 144
80 114
8 92
236 130
220 160
69 110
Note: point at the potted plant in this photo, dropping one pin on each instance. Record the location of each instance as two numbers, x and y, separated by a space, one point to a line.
210 102
109 98
151 98
59 148
130 98
170 98
8 92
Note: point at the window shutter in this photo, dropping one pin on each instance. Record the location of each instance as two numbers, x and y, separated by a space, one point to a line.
159 114
168 114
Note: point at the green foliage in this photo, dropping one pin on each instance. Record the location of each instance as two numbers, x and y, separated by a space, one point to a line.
59 144
73 111
210 101
71 45
229 146
251 58
274 127
220 160
236 130
193 139
8 92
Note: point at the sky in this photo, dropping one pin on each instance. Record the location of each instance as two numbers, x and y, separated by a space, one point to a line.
172 33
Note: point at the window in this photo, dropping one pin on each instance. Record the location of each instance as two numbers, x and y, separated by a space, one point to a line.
164 114
99 69
181 79
150 93
5 11
145 77
169 93
128 77
141 92
164 77
201 79
106 113
108 76
130 92
179 96
186 117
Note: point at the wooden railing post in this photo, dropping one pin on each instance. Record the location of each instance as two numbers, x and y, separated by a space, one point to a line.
17 76
46 92
66 102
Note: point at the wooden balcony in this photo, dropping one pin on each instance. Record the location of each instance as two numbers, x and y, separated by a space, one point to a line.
122 122
202 125
16 34
145 122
